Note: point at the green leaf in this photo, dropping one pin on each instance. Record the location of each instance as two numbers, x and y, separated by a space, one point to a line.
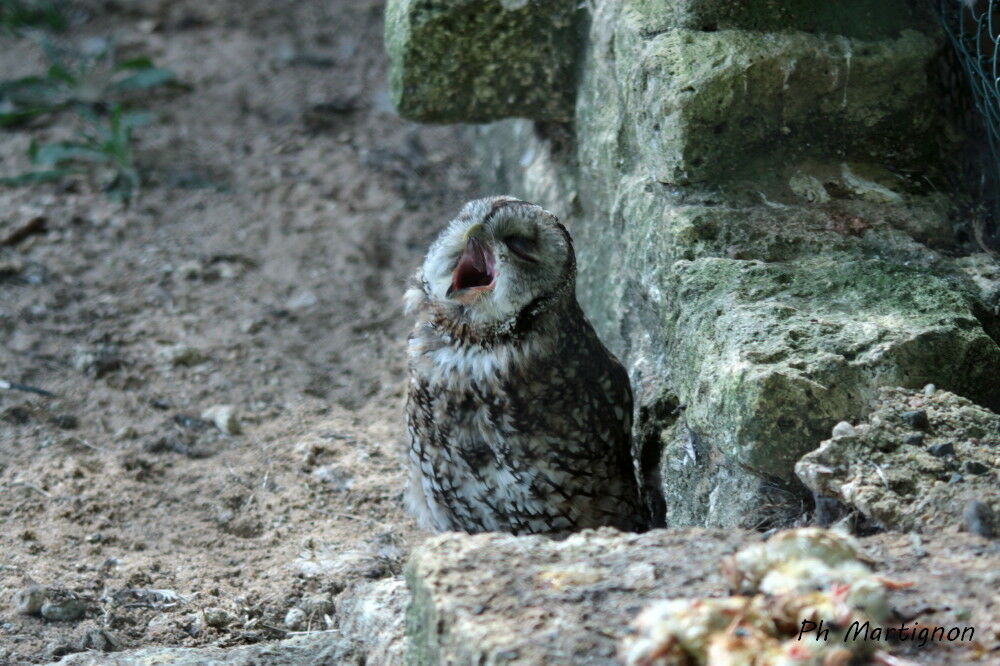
33 177
19 116
54 154
141 62
145 79
133 119
58 72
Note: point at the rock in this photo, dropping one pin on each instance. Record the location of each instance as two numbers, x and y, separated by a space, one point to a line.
302 300
480 60
700 97
181 355
29 600
978 518
98 640
319 649
866 19
899 486
843 429
941 450
916 419
974 467
66 421
295 619
11 266
543 597
54 604
190 270
218 618
373 616
333 477
318 605
97 361
914 439
62 606
571 601
224 417
31 222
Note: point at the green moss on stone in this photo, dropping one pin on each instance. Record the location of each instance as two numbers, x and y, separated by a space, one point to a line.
482 60
702 102
866 19
769 356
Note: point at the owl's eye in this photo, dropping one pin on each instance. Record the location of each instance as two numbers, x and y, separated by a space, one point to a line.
521 247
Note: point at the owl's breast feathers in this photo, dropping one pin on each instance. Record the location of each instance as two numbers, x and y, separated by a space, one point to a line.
523 428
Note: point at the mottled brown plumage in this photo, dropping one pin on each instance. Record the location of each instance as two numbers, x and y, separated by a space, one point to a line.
519 418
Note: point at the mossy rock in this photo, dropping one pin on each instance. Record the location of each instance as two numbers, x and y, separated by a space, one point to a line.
478 61
866 19
921 461
701 103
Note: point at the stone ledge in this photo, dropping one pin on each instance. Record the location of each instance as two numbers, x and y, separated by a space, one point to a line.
500 599
697 100
866 19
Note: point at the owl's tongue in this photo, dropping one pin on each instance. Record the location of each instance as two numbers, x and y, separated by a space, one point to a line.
474 268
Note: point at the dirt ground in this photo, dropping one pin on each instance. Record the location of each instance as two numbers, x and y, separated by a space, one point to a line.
261 267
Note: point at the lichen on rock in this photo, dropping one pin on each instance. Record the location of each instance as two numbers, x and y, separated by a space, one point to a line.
915 463
475 61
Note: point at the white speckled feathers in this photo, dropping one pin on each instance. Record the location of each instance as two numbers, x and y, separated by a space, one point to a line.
519 418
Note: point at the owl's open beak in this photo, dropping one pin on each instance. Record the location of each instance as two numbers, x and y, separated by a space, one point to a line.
474 273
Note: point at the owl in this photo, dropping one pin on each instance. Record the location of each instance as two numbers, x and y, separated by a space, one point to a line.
519 419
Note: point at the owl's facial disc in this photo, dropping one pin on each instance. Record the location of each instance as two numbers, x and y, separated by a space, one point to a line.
475 272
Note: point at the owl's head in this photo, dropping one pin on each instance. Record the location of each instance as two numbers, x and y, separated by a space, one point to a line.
498 259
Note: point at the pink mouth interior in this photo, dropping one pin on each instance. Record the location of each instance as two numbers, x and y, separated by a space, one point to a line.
474 268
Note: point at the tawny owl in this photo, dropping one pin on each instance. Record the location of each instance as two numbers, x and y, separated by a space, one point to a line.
519 418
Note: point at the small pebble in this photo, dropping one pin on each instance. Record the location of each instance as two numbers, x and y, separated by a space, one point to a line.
302 301
916 419
127 432
974 467
941 450
224 417
66 421
29 600
914 439
62 606
176 355
929 389
979 519
97 362
843 429
98 640
295 619
954 478
190 270
317 604
217 617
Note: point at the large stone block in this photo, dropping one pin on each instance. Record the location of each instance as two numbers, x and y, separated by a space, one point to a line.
922 461
477 61
766 358
500 599
866 19
702 104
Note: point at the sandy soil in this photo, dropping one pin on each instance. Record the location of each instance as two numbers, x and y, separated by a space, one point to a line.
261 267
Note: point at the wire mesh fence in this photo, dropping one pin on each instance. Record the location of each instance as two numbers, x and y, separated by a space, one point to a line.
973 27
